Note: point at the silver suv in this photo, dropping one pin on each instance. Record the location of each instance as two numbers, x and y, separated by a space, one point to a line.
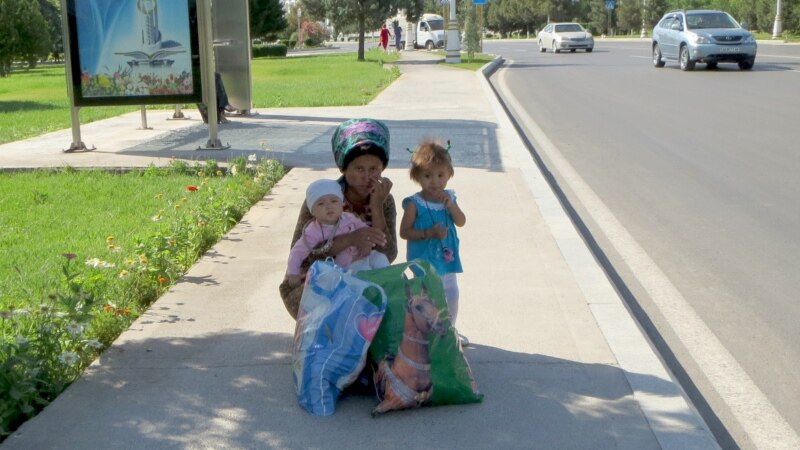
706 36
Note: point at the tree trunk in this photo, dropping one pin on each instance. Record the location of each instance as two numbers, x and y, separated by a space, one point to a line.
361 27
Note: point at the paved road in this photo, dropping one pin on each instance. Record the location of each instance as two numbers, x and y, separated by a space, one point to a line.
700 171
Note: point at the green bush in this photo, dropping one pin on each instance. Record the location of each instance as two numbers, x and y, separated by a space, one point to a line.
263 50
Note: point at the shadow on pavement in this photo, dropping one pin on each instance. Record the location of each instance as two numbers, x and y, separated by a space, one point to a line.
304 141
235 388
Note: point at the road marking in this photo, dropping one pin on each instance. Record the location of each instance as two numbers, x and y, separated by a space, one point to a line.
779 56
759 419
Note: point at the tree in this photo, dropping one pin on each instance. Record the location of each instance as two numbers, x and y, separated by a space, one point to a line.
267 18
35 40
629 15
9 37
51 12
599 16
364 14
472 33
23 34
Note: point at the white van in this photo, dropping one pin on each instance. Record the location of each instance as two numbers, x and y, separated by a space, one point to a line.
428 32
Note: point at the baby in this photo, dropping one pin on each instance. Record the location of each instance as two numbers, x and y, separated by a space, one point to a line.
325 200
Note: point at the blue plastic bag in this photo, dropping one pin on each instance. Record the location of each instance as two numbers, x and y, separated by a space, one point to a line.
338 317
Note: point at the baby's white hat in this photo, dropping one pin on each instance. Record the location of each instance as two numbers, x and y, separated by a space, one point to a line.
322 187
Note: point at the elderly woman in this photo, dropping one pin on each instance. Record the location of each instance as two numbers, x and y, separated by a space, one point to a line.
361 151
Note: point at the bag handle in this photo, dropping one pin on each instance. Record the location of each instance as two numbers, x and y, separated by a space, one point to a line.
414 269
328 277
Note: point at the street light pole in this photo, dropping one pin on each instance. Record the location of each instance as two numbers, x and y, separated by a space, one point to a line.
299 27
777 29
453 54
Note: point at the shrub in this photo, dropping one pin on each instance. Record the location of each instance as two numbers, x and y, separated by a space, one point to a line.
264 50
314 33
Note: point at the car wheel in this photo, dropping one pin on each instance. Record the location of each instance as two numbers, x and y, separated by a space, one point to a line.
686 62
711 66
589 50
657 60
747 65
553 46
429 45
541 47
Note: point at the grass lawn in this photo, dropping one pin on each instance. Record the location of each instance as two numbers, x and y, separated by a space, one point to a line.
478 60
35 102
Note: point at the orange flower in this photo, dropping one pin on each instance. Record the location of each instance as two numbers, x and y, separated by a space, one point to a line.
162 279
191 187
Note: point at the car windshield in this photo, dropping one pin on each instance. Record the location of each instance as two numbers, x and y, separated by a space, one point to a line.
709 20
436 24
567 27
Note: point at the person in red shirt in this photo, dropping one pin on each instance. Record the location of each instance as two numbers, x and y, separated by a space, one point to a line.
385 34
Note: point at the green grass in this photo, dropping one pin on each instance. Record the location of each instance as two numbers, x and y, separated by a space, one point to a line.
478 60
321 80
52 213
85 252
35 102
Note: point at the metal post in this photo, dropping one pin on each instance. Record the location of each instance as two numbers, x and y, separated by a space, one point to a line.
178 114
144 119
777 29
453 53
207 71
76 144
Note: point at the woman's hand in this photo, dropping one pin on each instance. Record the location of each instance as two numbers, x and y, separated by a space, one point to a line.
366 239
381 188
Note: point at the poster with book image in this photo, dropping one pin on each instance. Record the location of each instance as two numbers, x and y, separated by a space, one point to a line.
134 52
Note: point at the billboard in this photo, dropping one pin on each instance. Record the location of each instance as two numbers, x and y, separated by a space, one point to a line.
134 52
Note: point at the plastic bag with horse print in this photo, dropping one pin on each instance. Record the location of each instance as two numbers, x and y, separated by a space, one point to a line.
338 317
416 349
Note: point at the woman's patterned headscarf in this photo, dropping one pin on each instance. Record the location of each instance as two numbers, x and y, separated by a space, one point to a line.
355 134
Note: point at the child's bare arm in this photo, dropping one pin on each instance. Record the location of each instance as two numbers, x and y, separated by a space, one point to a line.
459 219
407 230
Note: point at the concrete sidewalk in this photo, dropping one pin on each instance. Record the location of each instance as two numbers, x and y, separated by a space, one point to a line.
559 359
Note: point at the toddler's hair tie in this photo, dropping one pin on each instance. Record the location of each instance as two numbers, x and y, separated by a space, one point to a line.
408 149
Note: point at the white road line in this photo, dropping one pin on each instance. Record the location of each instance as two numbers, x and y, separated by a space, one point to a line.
757 416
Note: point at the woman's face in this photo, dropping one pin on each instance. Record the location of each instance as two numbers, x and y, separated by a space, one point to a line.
362 172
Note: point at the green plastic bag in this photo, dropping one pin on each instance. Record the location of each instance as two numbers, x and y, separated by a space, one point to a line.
416 349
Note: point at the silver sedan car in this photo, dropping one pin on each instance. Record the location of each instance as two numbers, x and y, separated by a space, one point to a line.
565 36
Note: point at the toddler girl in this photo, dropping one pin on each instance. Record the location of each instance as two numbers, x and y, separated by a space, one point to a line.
430 218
